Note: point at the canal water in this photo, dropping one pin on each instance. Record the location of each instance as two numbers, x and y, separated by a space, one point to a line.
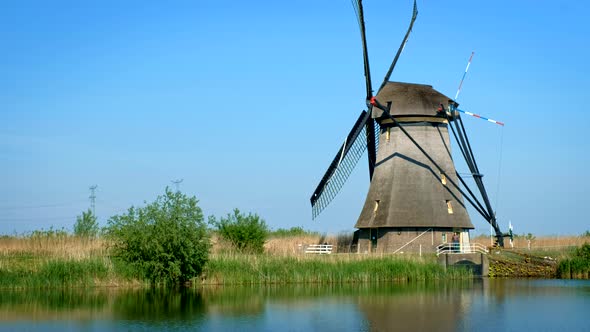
482 305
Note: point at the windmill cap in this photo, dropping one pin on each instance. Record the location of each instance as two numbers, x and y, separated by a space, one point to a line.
410 99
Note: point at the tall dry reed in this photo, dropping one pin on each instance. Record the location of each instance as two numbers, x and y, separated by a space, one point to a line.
64 246
538 243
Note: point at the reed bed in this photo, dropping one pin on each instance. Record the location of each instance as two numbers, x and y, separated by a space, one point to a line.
577 266
55 273
340 268
289 246
51 260
295 245
539 243
58 260
60 246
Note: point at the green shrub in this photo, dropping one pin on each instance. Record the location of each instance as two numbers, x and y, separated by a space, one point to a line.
246 233
166 240
86 225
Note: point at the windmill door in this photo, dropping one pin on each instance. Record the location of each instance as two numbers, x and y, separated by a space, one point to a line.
373 234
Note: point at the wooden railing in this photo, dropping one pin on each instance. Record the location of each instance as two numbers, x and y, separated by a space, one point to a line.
318 249
455 248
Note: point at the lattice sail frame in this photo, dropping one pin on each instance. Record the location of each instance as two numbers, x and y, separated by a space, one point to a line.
343 164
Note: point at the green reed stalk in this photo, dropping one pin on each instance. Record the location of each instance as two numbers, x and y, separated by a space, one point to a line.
251 269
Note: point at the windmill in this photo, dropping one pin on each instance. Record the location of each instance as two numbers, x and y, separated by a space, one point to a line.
415 188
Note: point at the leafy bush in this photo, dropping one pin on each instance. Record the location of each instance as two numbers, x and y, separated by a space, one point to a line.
86 225
166 240
246 233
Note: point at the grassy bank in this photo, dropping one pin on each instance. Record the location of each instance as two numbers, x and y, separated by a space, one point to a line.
522 264
555 262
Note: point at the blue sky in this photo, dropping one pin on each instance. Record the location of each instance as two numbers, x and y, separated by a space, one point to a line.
249 101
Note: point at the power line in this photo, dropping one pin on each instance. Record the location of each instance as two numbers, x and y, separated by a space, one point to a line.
25 207
37 219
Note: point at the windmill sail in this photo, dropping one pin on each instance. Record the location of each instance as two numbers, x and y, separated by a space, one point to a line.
341 166
369 125
401 48
365 127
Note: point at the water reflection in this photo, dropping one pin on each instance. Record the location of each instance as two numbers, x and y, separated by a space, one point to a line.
443 306
419 310
158 305
51 304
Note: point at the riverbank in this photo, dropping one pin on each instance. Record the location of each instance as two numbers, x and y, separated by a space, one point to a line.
519 264
67 261
26 271
557 262
58 260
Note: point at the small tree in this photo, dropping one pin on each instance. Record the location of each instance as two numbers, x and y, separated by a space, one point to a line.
86 225
247 233
167 240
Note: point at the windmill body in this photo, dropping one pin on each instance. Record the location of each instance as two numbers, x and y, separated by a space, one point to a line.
409 199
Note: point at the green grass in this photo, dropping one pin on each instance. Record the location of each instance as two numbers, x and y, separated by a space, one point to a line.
322 269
